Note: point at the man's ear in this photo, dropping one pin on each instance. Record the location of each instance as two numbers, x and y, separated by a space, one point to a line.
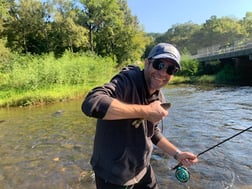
146 62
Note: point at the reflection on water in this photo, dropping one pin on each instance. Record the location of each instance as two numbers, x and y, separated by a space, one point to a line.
49 147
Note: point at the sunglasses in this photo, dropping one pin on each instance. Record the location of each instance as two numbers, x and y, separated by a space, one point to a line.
159 65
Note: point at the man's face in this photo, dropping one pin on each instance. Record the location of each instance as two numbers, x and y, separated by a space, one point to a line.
155 73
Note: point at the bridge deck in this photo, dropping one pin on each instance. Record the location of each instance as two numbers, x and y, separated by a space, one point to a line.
216 52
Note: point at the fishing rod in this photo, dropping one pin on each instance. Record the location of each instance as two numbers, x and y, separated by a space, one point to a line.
182 173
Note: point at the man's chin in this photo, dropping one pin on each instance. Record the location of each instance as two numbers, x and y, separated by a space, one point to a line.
156 87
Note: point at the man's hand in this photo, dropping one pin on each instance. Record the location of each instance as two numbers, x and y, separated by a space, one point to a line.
187 158
165 106
155 112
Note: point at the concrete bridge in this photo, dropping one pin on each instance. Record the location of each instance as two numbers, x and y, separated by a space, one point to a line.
218 52
238 54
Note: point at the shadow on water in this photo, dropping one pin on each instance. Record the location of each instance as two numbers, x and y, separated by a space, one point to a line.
49 147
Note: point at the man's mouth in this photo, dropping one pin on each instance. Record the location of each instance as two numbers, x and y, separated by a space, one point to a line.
158 79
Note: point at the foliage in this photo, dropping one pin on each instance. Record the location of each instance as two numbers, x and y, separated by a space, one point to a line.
106 27
222 31
113 31
181 35
65 77
4 53
205 79
210 68
214 32
36 72
101 26
227 74
189 65
247 23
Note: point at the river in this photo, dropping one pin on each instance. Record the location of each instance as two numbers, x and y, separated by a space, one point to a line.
48 147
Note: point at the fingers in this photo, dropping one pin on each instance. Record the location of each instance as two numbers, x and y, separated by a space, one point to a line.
156 111
187 162
187 158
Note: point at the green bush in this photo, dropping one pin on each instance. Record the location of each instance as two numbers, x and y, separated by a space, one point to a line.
35 72
227 74
28 79
189 66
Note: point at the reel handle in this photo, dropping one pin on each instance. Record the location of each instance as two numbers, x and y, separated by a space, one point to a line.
178 165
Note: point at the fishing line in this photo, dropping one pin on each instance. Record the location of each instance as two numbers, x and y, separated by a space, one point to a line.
182 173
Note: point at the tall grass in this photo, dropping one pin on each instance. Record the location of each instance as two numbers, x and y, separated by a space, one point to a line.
34 79
29 79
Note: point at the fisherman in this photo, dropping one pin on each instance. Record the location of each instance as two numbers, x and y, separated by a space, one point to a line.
121 154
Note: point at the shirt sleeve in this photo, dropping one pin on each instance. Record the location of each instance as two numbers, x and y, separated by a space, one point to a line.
97 101
121 87
157 135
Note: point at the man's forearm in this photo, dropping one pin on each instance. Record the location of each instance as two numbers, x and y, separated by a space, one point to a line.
168 147
119 110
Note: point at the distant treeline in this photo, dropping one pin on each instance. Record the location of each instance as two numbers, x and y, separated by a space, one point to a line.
215 31
105 27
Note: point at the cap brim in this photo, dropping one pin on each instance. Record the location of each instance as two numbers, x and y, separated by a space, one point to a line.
167 56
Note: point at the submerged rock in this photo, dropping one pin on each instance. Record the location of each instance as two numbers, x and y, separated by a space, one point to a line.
58 113
1 121
87 176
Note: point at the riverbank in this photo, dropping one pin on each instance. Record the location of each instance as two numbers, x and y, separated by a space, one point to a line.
59 93
34 80
40 96
48 80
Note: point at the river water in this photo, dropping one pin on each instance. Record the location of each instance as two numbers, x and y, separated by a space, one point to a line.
49 147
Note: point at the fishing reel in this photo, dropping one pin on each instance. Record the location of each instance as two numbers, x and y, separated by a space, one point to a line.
182 174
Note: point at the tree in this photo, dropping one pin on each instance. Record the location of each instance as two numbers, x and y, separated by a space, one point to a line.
247 23
4 12
66 32
180 35
222 31
113 31
4 15
25 30
41 27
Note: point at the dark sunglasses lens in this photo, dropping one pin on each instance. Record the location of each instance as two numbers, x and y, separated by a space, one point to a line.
171 70
158 65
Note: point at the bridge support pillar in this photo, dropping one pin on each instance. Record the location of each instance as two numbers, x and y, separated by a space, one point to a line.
244 69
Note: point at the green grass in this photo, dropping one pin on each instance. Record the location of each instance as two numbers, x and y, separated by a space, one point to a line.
30 80
42 96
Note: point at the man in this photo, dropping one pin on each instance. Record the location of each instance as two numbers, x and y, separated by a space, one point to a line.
122 151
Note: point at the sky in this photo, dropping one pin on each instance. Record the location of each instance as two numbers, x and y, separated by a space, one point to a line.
159 15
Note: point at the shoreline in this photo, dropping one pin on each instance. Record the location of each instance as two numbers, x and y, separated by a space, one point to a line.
56 94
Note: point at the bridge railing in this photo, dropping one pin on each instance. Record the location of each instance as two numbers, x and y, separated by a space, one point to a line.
220 49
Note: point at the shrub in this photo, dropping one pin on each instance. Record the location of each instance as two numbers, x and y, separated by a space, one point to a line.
227 74
189 66
36 72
